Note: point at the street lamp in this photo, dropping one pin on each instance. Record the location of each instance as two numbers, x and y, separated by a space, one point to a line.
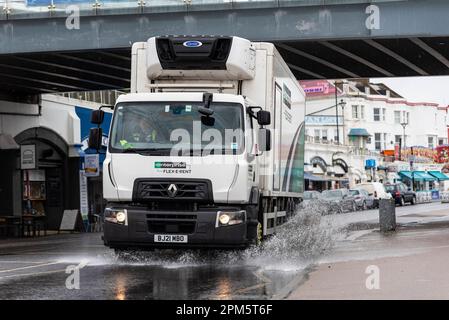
336 110
404 124
342 103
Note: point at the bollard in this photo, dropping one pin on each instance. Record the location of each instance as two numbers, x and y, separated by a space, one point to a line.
387 215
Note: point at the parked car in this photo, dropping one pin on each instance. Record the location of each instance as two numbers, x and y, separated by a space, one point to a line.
310 196
401 193
340 200
362 198
375 189
312 201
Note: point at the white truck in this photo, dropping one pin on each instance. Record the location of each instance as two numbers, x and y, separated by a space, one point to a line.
207 149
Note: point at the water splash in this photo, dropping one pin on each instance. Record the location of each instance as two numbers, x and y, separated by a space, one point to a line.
296 244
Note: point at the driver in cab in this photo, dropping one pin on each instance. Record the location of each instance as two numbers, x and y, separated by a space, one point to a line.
143 132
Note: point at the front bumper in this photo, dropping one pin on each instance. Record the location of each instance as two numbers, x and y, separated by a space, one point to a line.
199 226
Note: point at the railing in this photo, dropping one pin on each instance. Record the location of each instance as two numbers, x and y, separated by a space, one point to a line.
106 97
351 149
10 9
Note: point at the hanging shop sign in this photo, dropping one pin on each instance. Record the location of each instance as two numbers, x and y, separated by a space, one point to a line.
92 165
28 156
84 200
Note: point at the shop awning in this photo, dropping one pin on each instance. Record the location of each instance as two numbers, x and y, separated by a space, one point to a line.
439 175
423 176
311 177
405 174
417 175
358 132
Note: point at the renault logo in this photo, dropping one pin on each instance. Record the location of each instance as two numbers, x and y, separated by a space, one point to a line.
172 190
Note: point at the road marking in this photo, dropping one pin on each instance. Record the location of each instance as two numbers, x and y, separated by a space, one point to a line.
29 267
21 262
32 274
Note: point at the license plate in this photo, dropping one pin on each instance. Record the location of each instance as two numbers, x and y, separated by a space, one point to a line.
170 238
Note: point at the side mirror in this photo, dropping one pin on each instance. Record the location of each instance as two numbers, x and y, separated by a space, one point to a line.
97 117
264 139
263 118
95 138
206 111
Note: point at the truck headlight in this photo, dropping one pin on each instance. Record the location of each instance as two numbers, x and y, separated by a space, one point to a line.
229 218
119 216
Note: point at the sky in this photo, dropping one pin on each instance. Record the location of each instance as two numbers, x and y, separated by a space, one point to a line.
420 89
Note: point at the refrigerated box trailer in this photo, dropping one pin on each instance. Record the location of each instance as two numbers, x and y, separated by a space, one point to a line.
207 150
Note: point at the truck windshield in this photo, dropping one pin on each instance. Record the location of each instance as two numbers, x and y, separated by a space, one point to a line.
174 128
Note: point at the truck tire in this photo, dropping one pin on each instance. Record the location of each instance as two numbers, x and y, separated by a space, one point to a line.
413 201
254 224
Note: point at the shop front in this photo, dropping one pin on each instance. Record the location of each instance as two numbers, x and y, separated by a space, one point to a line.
49 177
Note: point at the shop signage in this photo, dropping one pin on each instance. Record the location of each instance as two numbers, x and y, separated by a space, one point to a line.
323 120
92 165
84 201
28 156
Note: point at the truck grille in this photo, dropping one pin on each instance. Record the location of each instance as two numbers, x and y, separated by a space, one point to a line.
172 189
171 223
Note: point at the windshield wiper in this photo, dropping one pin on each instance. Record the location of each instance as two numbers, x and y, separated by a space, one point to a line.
148 151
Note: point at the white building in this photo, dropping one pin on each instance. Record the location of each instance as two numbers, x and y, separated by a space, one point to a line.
379 110
364 128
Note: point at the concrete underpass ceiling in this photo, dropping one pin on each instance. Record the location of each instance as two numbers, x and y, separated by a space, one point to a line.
44 72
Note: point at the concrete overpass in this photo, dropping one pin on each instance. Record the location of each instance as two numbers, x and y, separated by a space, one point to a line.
318 39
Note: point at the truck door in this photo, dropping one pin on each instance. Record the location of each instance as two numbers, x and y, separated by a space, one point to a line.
277 137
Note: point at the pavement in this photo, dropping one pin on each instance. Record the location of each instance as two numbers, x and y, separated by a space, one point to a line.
411 263
294 265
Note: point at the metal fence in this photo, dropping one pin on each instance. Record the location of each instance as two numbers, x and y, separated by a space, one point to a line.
50 8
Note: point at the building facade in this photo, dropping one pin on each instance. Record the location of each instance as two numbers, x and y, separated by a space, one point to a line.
42 163
388 118
371 127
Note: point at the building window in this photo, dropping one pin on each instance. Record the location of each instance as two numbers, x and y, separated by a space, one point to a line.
307 132
335 135
430 141
355 112
384 112
397 138
362 112
324 134
376 114
384 144
378 141
441 141
317 135
407 118
397 117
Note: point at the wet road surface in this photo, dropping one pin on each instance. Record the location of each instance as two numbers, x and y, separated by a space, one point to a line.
37 268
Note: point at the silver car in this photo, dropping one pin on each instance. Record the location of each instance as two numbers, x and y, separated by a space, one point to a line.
362 199
340 200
